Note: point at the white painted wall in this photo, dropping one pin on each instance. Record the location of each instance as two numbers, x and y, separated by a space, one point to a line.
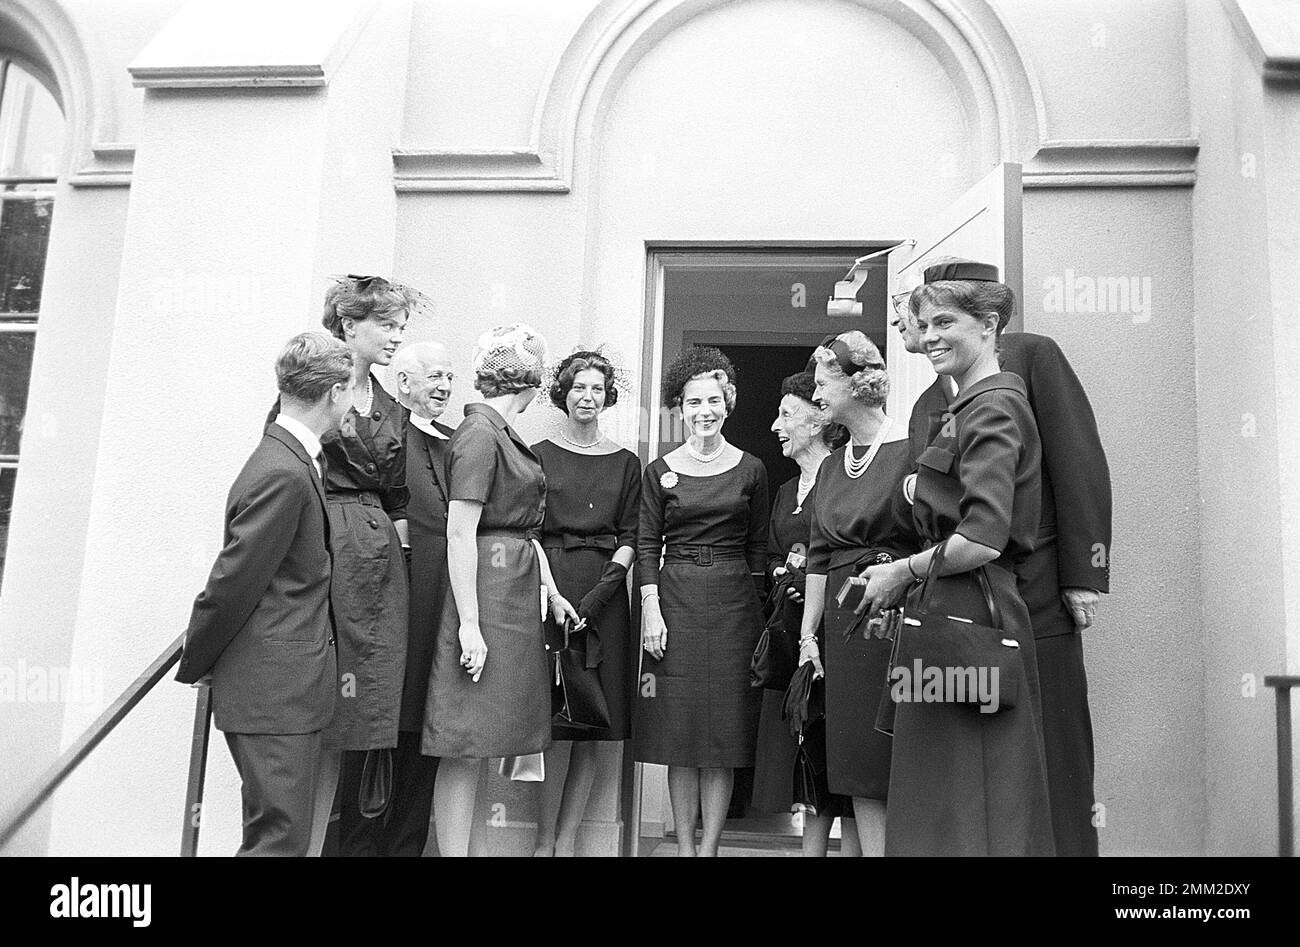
763 120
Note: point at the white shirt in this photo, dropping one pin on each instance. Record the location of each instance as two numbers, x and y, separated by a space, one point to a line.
309 441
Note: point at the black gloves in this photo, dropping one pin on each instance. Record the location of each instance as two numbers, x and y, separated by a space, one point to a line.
612 580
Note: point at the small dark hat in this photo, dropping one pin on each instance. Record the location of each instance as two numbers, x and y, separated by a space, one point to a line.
962 269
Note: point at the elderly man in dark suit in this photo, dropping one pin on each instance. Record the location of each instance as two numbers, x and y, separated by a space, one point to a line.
1062 580
262 627
424 375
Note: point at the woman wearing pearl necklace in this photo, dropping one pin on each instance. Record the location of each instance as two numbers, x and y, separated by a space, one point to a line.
807 437
704 510
593 501
860 517
366 495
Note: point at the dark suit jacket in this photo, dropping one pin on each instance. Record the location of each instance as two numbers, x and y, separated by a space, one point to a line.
426 517
262 626
1076 512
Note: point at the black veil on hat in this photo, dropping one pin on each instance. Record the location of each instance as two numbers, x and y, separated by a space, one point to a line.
418 304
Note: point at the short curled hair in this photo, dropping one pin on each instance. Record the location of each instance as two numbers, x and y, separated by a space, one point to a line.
802 385
508 359
973 297
703 360
869 386
568 370
310 364
363 297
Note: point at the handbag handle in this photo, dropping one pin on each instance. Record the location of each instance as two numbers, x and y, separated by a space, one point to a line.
932 573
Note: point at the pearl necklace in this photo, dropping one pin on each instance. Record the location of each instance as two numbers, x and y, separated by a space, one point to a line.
568 440
370 395
805 488
853 468
703 457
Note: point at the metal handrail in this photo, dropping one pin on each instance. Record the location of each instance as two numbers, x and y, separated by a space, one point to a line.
1285 776
17 815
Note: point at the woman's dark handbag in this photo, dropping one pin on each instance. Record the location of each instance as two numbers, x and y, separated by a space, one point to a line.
577 699
961 649
806 791
803 706
775 655
376 783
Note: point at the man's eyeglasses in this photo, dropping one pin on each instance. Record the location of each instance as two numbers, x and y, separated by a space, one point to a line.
899 303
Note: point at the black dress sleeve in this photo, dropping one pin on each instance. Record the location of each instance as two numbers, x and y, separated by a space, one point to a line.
650 532
395 497
472 461
775 558
759 516
819 547
629 509
989 445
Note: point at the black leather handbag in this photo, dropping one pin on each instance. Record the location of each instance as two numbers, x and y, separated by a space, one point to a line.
960 649
773 662
804 706
376 783
577 699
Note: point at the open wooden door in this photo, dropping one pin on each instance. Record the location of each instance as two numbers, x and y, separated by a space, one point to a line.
983 224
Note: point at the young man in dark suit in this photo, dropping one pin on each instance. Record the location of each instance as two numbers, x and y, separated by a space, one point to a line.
262 627
1062 580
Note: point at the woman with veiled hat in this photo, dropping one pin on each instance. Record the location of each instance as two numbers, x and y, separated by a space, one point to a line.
593 501
366 497
489 687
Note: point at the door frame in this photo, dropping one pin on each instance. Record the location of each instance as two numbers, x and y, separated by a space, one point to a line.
702 254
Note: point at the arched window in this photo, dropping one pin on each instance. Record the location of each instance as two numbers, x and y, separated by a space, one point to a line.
31 153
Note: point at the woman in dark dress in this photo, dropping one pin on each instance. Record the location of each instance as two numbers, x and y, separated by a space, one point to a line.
489 686
859 518
806 437
366 496
963 781
704 509
593 500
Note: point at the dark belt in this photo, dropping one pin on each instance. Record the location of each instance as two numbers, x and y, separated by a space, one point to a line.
607 542
364 497
860 557
702 554
508 533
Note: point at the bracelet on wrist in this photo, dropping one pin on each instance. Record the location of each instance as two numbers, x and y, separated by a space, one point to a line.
910 569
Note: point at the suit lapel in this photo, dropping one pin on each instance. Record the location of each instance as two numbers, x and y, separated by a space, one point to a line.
291 442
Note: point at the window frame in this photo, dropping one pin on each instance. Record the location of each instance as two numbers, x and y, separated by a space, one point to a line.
38 188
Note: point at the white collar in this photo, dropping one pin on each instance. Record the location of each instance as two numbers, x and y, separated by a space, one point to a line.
426 425
309 441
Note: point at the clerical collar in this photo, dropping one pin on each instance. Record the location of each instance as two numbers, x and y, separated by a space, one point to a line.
427 426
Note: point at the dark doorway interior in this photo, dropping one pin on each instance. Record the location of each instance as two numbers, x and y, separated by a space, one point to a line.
760 369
